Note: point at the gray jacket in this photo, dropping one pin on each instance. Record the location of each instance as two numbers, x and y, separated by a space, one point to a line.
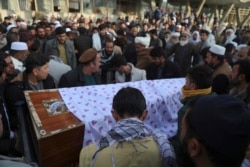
136 75
70 50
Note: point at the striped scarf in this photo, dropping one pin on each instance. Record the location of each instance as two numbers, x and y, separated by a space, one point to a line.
133 128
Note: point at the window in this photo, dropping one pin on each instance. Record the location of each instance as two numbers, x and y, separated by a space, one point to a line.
27 4
74 6
4 4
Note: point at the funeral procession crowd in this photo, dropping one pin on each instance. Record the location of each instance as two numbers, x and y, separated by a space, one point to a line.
213 123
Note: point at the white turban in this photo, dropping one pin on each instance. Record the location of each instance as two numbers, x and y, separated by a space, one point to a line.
230 30
143 40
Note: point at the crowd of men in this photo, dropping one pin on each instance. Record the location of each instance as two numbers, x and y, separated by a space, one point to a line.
56 54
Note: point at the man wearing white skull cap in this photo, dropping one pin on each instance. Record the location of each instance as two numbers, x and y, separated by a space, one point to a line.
19 52
215 58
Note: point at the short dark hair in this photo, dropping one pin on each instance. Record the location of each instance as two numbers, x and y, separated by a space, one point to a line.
244 68
204 51
102 26
12 37
82 30
60 30
3 64
157 52
40 26
204 32
201 76
108 40
153 31
48 26
35 60
94 28
30 28
219 57
129 101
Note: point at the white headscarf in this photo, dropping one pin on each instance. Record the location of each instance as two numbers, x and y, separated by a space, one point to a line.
197 40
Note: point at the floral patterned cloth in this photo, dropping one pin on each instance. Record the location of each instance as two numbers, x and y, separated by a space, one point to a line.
93 105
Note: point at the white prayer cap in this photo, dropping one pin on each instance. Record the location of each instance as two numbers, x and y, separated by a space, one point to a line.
68 29
178 26
56 22
10 27
241 46
23 23
58 25
21 46
218 50
234 43
231 30
143 40
175 34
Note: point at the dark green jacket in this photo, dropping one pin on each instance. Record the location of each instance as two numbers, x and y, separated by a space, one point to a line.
175 141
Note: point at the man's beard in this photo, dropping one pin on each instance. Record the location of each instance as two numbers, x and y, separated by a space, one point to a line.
183 43
108 53
167 39
183 157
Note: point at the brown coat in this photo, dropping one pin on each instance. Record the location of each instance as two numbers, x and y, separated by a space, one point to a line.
225 68
143 58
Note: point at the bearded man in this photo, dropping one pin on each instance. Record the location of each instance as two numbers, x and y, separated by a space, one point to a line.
241 81
185 53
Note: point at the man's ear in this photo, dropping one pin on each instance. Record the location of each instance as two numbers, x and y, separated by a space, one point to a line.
115 115
194 147
35 71
193 86
144 115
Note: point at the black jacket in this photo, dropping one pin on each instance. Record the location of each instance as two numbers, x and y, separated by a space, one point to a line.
74 78
14 93
169 70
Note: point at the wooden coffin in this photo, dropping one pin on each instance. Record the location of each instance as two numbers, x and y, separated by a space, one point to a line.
57 133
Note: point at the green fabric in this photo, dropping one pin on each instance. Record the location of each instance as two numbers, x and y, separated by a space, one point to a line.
89 80
139 152
175 141
8 163
63 54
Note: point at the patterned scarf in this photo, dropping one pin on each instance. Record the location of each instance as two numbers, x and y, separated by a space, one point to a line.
133 128
105 58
